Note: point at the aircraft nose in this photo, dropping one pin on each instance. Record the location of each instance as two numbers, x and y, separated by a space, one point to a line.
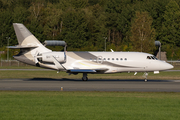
171 66
166 66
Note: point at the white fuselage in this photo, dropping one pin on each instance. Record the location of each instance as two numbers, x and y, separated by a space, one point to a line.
111 61
114 61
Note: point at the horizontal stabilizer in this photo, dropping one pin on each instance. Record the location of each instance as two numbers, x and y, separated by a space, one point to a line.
19 46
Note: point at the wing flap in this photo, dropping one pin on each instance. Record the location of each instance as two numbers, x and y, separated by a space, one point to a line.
86 70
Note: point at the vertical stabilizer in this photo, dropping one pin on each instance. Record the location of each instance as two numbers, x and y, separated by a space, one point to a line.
27 39
21 32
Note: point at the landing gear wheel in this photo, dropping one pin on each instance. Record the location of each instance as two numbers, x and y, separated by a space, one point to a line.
85 79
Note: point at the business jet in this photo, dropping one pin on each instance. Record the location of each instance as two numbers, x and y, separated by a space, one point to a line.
34 53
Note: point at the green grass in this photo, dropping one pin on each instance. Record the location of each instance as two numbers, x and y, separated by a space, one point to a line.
89 105
61 75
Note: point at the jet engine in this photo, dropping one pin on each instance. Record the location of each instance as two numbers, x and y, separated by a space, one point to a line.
48 57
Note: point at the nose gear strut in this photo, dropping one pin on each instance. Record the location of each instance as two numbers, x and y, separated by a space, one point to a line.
145 75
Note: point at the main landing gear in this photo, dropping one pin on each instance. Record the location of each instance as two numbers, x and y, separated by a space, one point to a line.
84 78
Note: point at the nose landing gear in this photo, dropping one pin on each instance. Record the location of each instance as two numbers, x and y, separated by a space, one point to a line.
145 75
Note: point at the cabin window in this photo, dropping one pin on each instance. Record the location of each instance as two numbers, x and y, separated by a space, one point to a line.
104 59
125 58
108 58
121 59
112 58
117 59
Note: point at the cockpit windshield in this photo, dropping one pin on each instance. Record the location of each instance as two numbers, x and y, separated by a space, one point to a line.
155 58
152 58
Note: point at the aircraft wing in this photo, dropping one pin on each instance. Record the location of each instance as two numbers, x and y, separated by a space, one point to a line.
102 70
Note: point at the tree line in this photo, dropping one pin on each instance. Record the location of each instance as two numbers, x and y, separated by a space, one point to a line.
96 25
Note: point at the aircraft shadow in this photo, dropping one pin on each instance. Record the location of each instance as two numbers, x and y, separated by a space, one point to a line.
93 80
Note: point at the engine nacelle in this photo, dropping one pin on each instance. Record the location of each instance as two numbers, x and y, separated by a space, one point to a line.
47 57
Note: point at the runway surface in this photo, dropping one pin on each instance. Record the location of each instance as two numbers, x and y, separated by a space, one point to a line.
47 84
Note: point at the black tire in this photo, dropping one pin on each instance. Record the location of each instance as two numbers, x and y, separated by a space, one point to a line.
85 79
